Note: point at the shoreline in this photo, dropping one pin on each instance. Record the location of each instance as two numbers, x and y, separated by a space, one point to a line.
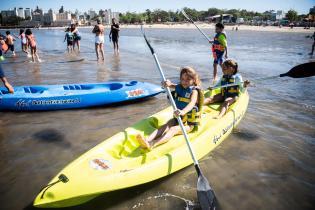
191 26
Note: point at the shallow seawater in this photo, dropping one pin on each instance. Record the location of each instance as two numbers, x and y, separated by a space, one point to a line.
267 163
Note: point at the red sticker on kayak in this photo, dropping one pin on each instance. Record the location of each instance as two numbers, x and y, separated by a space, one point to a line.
134 93
100 164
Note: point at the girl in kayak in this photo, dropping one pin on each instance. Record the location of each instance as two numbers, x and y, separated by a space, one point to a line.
188 99
69 38
229 94
32 44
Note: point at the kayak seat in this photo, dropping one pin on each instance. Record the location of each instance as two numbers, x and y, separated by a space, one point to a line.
39 90
132 83
115 86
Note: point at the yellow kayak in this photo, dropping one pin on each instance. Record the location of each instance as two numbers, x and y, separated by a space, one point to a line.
119 162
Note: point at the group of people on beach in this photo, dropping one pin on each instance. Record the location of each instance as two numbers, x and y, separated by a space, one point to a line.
73 37
28 44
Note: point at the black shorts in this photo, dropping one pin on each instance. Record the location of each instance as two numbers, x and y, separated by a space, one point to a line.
69 43
115 38
11 47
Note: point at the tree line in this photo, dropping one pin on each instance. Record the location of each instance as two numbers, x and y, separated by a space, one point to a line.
163 16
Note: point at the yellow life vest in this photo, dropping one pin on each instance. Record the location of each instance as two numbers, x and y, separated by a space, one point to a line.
192 117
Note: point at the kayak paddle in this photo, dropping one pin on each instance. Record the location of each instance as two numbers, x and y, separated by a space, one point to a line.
190 20
300 71
205 193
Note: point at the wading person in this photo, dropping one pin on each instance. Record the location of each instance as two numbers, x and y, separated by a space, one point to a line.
114 34
32 44
219 47
76 36
99 31
313 46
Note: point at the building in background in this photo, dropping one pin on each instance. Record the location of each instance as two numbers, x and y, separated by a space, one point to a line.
49 18
62 19
28 13
277 15
37 15
20 12
92 13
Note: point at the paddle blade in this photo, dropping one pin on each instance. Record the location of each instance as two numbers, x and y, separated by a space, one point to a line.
300 71
206 196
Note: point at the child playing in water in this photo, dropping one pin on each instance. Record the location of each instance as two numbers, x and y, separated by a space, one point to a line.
219 46
32 44
5 81
229 94
69 37
10 42
187 98
3 47
22 36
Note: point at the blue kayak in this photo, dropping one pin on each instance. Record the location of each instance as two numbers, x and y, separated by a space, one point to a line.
70 96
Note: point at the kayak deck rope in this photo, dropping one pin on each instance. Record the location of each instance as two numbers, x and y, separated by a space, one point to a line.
61 178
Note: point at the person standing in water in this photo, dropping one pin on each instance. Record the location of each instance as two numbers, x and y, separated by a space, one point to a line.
219 47
70 39
5 81
114 34
10 42
313 46
32 44
99 32
76 36
23 41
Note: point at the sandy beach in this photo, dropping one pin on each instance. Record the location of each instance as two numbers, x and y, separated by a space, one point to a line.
205 26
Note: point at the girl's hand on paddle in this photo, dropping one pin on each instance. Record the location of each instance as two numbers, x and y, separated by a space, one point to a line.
166 83
246 83
211 42
226 56
178 113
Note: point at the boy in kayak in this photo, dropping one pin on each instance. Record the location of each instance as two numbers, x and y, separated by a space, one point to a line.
219 47
69 37
229 94
188 98
32 44
10 42
5 81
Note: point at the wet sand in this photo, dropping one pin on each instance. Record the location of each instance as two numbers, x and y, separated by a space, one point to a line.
267 163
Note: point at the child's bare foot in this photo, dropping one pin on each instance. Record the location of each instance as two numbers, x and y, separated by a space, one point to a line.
142 142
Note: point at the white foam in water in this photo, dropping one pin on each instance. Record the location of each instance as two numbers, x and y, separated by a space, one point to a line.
190 205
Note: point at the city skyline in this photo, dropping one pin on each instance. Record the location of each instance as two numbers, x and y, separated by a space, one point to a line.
302 7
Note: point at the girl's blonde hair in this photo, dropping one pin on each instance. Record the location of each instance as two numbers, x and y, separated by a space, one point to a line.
191 73
231 63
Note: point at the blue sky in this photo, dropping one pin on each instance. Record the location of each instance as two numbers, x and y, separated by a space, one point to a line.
302 6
